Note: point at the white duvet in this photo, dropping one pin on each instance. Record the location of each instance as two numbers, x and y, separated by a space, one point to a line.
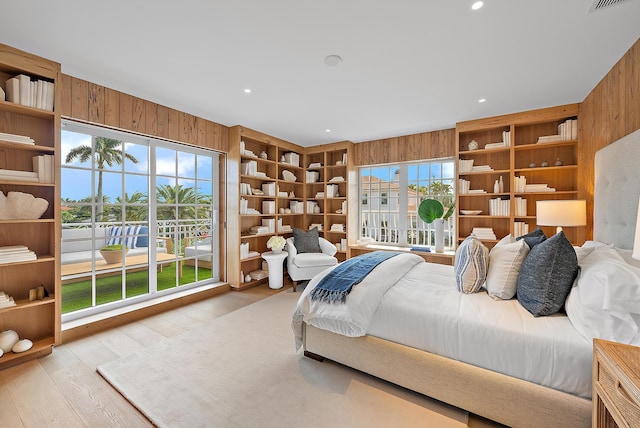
416 304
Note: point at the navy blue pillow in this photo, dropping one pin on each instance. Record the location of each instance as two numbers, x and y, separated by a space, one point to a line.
547 275
533 238
143 237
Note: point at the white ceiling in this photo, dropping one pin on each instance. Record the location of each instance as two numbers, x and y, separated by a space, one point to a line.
408 66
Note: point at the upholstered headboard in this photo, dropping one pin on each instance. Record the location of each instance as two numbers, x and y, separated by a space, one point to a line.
616 193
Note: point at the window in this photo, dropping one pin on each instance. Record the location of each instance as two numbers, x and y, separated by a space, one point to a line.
156 200
391 195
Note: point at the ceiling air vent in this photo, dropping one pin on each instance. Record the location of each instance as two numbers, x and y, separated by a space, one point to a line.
602 4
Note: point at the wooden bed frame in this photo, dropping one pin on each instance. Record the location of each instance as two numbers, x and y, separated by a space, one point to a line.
498 397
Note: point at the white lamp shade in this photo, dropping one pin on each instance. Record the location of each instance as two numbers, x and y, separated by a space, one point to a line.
561 213
636 241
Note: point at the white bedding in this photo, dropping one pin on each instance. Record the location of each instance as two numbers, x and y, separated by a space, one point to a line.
425 311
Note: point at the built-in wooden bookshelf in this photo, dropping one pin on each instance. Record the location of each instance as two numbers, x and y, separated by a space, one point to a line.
327 177
261 195
550 161
37 320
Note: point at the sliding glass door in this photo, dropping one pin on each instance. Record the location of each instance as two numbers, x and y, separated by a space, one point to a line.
152 204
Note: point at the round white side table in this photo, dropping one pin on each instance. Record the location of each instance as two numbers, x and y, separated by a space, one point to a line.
274 263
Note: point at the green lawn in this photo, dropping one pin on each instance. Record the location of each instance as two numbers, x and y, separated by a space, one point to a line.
109 289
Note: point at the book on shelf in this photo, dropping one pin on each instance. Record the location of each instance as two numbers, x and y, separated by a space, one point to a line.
11 175
37 94
6 301
463 186
14 138
18 257
520 228
568 130
483 233
495 145
480 168
499 207
521 206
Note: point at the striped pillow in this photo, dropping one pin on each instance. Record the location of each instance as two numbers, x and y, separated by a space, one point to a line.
130 232
471 265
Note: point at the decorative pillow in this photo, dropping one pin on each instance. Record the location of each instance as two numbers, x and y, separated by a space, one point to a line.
306 242
533 238
143 237
131 232
546 276
505 261
470 265
605 300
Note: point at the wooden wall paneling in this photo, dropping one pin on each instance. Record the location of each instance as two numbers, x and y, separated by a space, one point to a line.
96 103
111 107
63 90
126 112
163 121
415 147
201 132
151 118
174 124
79 99
138 116
608 113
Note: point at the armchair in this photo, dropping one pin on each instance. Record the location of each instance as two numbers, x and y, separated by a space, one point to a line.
303 266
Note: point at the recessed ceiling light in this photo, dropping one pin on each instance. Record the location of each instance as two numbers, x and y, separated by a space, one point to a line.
481 100
247 91
477 5
332 60
327 130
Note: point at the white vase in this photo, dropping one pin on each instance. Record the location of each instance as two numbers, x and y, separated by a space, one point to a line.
8 338
276 250
439 226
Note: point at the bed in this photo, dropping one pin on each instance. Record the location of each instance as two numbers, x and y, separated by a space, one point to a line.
467 364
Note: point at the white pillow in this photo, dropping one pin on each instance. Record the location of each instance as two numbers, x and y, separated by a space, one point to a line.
605 299
505 260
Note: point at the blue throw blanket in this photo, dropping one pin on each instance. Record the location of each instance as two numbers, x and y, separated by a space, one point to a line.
335 285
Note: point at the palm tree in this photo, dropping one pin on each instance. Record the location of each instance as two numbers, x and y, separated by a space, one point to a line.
107 151
168 195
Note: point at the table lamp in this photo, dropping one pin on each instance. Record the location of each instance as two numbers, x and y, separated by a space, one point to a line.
561 213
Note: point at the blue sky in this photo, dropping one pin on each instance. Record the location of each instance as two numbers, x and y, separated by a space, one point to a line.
76 183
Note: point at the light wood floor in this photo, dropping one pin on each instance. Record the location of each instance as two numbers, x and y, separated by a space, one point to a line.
64 390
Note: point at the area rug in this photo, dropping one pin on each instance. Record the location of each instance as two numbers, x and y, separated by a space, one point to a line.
241 370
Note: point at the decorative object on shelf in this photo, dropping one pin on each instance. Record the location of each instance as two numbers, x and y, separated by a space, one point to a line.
431 211
112 254
558 162
532 164
501 185
8 338
263 155
473 145
276 244
544 164
19 205
22 346
496 187
247 278
288 176
470 212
